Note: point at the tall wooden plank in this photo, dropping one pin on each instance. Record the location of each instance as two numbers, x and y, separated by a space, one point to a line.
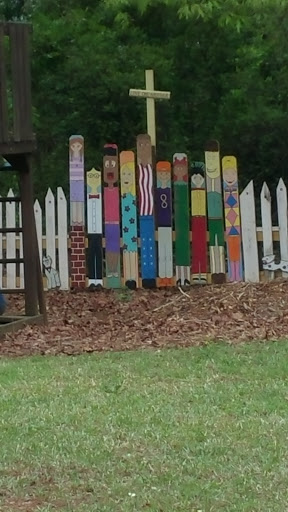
62 230
181 218
34 296
163 208
215 212
129 219
249 236
111 215
76 173
26 103
16 71
198 224
232 218
50 226
77 217
21 90
266 218
283 227
3 91
146 207
11 241
94 227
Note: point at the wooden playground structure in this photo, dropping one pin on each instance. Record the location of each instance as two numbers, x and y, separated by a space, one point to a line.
17 144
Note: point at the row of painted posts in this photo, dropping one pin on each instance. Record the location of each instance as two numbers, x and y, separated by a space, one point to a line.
146 232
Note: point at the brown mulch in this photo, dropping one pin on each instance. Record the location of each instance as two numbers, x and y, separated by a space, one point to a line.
123 320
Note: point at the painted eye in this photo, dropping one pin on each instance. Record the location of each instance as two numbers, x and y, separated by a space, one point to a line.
107 163
113 163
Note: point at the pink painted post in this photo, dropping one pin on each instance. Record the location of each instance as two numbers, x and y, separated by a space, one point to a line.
77 215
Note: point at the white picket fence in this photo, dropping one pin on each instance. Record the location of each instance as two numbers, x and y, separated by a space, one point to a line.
267 233
52 235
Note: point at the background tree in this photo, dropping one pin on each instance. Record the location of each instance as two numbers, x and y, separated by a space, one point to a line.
224 63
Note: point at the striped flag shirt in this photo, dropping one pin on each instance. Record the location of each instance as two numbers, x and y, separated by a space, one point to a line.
146 201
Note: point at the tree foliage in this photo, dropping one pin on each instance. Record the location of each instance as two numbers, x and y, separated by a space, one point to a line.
224 63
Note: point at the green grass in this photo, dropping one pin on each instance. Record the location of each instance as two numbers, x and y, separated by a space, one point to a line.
177 430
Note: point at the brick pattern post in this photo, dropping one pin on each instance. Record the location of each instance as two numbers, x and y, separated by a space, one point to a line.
78 257
77 220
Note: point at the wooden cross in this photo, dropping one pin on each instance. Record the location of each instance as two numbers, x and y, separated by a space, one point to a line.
151 95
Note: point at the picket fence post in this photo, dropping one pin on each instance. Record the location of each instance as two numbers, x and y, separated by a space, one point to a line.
11 241
62 232
21 267
249 236
266 218
50 226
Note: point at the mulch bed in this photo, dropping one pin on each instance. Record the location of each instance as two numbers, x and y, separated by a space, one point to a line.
106 320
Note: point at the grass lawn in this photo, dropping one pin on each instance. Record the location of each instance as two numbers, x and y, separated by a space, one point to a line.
178 430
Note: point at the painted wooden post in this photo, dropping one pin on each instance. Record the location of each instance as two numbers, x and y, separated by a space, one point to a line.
198 224
129 219
112 216
232 218
215 212
267 227
94 227
249 236
77 219
163 207
62 230
181 216
11 241
146 206
282 222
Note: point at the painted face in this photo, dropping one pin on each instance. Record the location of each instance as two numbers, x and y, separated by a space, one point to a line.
180 170
95 179
212 164
144 150
127 178
47 261
197 180
230 176
164 178
76 146
110 169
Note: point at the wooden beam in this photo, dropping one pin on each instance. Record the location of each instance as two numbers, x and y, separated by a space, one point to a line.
17 147
151 95
3 91
29 250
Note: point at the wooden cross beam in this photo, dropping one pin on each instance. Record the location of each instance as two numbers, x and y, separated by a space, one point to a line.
151 95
